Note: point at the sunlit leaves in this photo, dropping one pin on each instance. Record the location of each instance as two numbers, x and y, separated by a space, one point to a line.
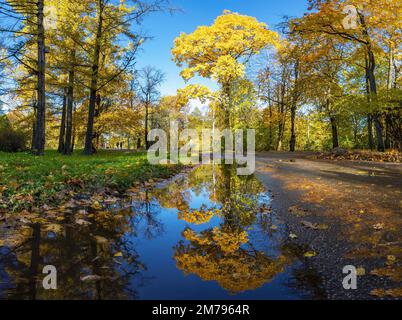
218 51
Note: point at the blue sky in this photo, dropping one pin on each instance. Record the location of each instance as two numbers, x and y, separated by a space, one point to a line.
164 28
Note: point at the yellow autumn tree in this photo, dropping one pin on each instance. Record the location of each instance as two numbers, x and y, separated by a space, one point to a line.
361 24
221 50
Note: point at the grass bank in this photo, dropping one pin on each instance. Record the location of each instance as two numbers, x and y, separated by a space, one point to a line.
28 182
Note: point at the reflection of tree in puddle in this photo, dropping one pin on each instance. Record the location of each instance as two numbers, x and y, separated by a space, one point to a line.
93 261
225 254
198 217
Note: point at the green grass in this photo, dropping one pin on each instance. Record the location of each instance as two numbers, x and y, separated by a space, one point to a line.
27 181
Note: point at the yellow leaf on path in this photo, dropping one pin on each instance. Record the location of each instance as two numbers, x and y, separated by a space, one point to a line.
96 205
310 254
118 254
2 243
378 226
292 236
391 260
82 222
395 293
361 271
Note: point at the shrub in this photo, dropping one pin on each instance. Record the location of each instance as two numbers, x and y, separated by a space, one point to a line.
12 140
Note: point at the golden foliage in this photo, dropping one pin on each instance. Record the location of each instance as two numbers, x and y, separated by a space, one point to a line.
215 51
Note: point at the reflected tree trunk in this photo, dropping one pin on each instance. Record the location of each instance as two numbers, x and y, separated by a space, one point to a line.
35 261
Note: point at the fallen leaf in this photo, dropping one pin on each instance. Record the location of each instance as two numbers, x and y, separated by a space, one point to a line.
360 271
310 254
378 226
91 278
392 272
82 222
96 205
299 212
395 293
314 226
118 254
265 209
391 260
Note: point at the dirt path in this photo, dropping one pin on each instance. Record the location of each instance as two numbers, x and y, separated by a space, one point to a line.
347 213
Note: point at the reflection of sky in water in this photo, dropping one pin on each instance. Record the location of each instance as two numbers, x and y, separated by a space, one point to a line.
166 281
4 277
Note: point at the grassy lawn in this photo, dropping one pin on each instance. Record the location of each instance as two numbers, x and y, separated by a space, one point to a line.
27 181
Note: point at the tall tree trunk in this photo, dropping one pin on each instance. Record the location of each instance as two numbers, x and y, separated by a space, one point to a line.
33 125
70 106
373 91
73 139
335 140
38 147
63 123
227 106
370 131
271 136
388 116
370 74
388 124
94 81
293 128
281 126
146 125
293 109
282 115
308 134
281 130
369 116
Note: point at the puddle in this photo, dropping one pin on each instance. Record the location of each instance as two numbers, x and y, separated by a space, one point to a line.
208 235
